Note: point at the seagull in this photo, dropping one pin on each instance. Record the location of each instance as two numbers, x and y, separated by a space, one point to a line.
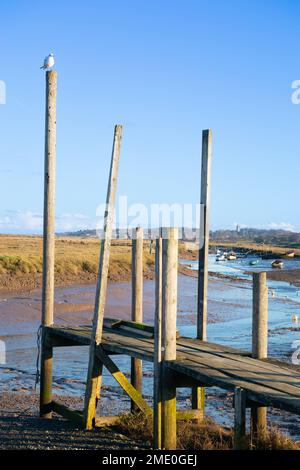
48 62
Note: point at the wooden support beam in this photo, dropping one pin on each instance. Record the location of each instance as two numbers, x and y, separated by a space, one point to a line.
157 405
66 412
57 341
239 418
48 242
259 342
94 375
104 421
137 304
134 394
76 416
169 314
134 326
190 415
258 420
184 381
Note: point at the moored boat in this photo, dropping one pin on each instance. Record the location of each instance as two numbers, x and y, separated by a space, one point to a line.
220 257
231 256
289 254
254 262
277 264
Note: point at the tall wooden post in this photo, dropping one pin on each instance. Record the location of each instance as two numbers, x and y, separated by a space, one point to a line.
94 375
198 393
157 406
260 316
48 243
169 314
137 304
239 418
204 235
259 341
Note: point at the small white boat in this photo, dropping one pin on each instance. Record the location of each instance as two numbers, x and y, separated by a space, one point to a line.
277 264
231 256
220 257
289 254
253 262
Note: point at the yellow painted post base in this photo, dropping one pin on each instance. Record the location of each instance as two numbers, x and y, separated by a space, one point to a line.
198 401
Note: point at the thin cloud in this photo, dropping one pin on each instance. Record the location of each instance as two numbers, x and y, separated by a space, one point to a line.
29 222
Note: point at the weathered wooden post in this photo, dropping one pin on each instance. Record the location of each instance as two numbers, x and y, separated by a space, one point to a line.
169 314
94 375
260 316
137 304
204 235
198 401
239 418
259 341
157 406
48 243
198 393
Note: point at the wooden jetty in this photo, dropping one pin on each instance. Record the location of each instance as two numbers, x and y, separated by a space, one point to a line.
256 381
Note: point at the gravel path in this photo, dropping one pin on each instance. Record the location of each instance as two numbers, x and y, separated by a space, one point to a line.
21 428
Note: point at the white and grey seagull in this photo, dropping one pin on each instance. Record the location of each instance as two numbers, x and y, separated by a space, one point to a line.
48 62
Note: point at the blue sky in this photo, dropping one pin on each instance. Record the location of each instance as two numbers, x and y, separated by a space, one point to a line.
166 70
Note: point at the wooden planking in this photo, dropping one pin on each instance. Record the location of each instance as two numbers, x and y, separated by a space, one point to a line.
78 336
193 342
224 351
246 363
184 345
248 372
115 340
211 362
251 371
256 393
133 348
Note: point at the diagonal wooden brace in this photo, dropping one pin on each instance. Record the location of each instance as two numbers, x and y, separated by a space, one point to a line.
122 381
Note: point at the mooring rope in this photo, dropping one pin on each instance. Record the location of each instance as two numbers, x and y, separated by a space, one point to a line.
38 343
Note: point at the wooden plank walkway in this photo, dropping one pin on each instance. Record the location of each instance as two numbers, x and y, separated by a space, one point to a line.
205 363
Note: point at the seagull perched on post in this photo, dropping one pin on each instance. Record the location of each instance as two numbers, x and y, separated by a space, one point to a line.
48 62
